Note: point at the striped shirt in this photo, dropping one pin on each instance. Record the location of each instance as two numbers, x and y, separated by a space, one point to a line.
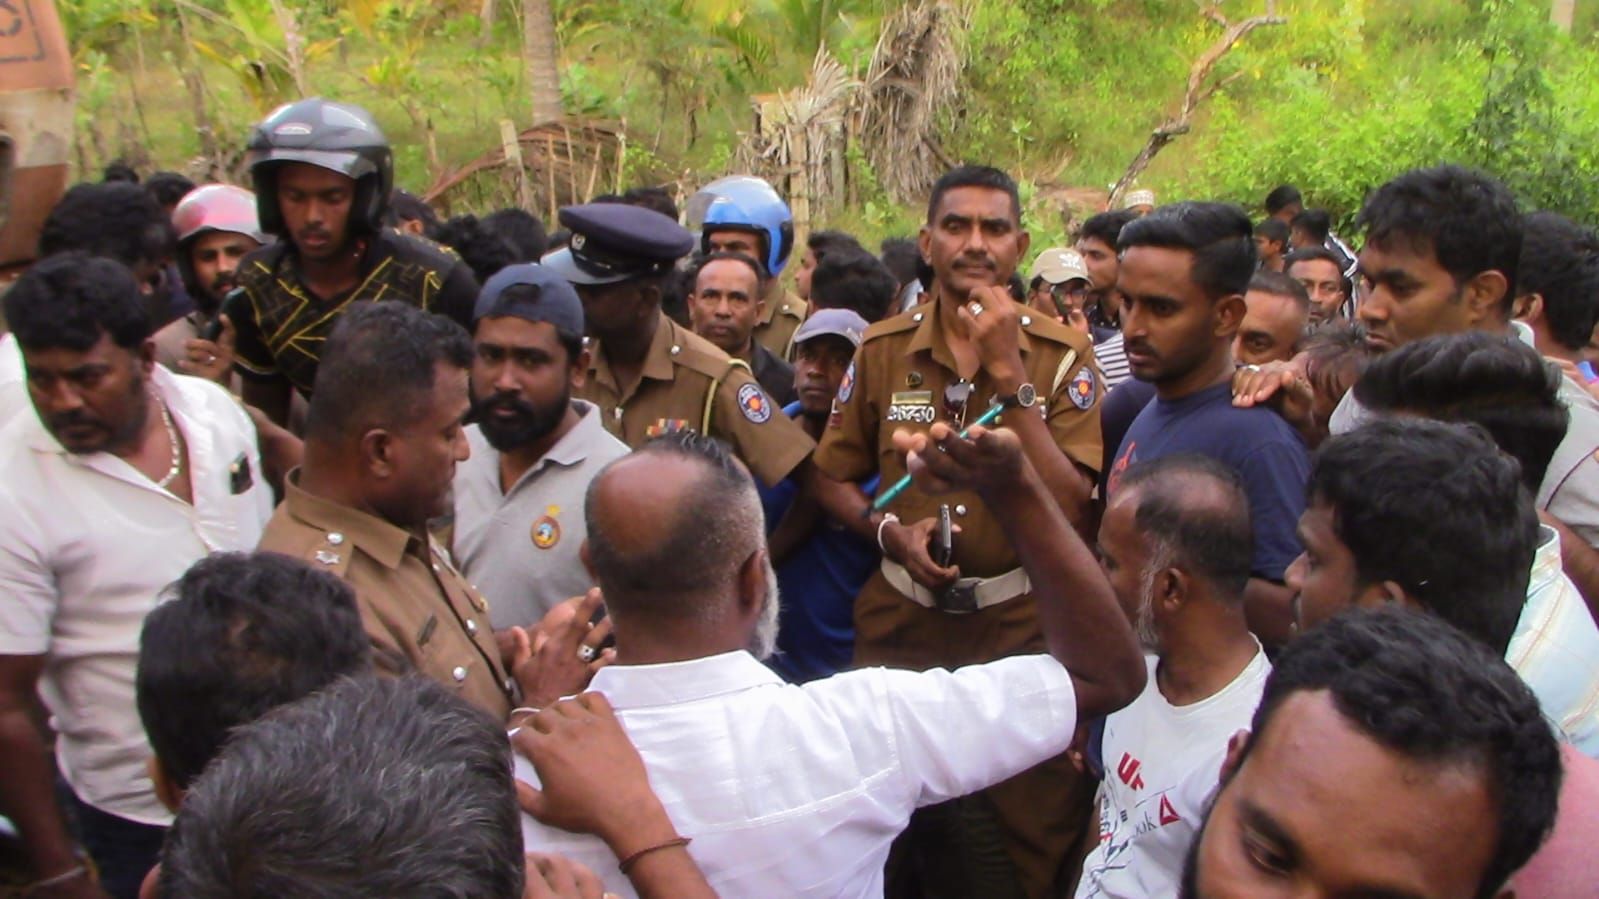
1112 358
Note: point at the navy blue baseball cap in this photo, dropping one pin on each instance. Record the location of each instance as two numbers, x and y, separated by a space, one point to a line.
613 242
551 299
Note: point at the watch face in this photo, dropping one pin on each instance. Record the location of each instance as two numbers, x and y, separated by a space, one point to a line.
1026 395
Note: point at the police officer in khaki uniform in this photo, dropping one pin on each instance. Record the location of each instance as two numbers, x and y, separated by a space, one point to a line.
377 467
743 214
649 376
952 359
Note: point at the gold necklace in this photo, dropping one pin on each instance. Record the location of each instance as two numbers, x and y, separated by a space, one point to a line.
177 454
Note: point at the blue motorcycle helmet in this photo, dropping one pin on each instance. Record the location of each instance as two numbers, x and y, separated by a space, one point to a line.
744 203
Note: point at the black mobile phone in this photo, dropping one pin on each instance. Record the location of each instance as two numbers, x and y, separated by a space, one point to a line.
944 546
231 304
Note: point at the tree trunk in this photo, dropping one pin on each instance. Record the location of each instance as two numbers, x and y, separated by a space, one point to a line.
1562 13
539 51
194 80
485 18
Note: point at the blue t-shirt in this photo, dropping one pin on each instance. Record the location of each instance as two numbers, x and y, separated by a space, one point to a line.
819 582
1256 443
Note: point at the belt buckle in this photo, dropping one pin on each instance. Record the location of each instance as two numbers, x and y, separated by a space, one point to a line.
959 598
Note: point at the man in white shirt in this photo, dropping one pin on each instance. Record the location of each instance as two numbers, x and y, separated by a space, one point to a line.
118 479
519 496
799 790
1176 545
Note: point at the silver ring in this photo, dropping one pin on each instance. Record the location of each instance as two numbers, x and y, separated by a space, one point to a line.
586 653
210 358
977 309
1251 368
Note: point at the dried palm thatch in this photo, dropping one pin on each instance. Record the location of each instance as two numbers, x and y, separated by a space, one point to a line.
802 137
914 74
551 165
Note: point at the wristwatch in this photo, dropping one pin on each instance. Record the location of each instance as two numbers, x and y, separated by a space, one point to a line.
1024 398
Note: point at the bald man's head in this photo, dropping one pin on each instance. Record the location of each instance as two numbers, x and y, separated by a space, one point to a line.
1193 513
670 526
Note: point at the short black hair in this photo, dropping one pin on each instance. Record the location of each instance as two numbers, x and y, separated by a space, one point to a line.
389 345
528 293
1436 508
658 199
523 230
849 280
1279 284
1273 229
168 187
1281 197
483 251
68 300
1197 510
1336 353
240 635
375 786
1492 380
405 206
699 262
1106 227
1560 262
117 170
899 255
1420 688
115 219
1219 235
820 243
974 176
1305 254
1468 219
1315 222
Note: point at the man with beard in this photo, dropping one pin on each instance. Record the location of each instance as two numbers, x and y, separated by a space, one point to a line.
1391 756
216 227
1184 271
323 173
118 478
519 497
797 791
1175 545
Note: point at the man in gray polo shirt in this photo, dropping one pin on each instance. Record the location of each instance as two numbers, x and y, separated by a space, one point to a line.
519 498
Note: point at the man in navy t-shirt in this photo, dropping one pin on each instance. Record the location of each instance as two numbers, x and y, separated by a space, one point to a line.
1184 271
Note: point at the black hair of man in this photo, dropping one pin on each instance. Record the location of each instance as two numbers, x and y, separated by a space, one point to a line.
1560 263
571 342
240 635
116 219
1466 219
393 787
1436 508
1305 254
117 170
899 255
857 281
1194 512
974 176
1219 236
1492 380
521 229
1422 689
1336 353
405 206
1316 223
1281 197
820 243
378 369
1106 227
1279 284
67 301
559 239
168 188
1273 230
658 199
483 251
712 533
700 262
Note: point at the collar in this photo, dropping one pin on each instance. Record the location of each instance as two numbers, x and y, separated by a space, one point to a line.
657 362
372 535
574 447
674 683
930 335
1546 564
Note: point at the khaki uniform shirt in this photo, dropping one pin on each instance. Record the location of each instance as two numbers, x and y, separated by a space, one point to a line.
412 600
782 317
681 372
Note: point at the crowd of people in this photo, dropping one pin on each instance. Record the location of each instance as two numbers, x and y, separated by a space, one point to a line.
352 552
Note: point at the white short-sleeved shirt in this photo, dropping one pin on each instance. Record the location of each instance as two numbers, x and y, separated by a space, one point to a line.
87 544
520 548
13 384
1160 760
798 790
1555 649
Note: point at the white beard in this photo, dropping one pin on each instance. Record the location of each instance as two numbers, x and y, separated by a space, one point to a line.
764 641
1144 625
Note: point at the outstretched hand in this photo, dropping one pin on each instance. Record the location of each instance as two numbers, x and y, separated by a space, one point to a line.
941 460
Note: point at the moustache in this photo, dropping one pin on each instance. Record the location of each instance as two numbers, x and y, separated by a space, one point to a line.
67 420
508 402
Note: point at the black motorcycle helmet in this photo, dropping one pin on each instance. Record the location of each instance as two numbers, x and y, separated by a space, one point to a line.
339 137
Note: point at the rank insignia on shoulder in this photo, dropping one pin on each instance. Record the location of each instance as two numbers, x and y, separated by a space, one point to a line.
753 403
665 426
326 557
1081 390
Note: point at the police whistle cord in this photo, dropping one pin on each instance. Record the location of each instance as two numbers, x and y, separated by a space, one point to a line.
889 495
